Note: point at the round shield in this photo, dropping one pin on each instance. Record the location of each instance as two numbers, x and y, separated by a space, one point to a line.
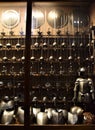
57 18
10 18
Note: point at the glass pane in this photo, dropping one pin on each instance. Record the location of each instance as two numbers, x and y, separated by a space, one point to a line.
12 57
60 44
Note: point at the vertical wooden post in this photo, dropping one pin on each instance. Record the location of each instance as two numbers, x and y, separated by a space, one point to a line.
27 65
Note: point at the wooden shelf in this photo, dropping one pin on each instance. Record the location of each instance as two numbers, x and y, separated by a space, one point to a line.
48 127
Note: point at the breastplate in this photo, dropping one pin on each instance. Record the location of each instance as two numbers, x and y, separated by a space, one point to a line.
20 115
6 105
72 118
57 117
84 86
42 118
7 117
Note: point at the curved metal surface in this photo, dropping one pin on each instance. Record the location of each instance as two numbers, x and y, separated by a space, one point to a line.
57 18
38 18
10 18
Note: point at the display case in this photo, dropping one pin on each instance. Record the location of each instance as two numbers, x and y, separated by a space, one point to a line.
61 44
43 48
12 59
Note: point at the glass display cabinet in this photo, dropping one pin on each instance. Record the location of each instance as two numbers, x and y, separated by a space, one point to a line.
12 60
47 65
62 48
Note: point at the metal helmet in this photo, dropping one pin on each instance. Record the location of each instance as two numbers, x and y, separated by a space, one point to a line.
81 71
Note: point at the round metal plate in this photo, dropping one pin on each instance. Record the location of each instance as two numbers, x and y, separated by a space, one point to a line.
57 18
38 18
10 18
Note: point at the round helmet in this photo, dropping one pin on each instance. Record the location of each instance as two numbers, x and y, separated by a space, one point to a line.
81 71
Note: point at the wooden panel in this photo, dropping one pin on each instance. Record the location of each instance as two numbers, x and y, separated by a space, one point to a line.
49 127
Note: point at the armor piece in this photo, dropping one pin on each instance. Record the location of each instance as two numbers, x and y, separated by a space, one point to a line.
6 105
65 113
57 117
72 118
76 110
20 115
84 90
49 112
81 71
42 118
7 117
35 111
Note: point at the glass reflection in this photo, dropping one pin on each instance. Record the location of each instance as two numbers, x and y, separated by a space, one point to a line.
37 18
57 18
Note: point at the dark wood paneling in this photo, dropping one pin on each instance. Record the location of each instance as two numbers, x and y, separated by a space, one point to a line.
49 127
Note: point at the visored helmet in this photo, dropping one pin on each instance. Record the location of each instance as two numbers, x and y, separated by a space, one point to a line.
81 71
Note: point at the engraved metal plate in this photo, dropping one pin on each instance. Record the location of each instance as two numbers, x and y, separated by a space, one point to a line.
57 18
10 18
